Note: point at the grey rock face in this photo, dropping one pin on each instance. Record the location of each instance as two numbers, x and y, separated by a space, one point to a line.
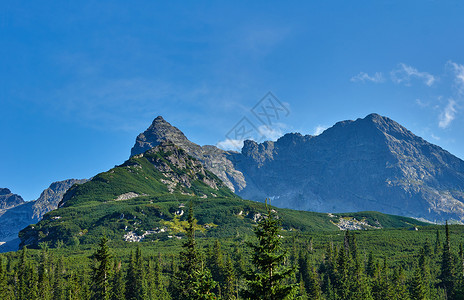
21 215
51 196
213 158
368 164
8 199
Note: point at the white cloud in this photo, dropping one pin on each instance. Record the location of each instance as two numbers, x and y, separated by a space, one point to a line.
265 133
271 133
435 137
422 103
363 77
319 129
448 114
459 73
229 144
404 73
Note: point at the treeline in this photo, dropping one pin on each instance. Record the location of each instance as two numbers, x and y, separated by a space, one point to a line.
265 269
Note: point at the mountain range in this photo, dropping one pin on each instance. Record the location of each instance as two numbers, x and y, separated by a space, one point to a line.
146 198
368 164
16 213
372 163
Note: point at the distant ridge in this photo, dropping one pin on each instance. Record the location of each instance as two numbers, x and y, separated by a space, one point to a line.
371 163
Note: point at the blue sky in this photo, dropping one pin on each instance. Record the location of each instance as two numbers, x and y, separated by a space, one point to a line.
79 80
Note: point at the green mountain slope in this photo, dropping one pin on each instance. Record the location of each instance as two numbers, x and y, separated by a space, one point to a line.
146 197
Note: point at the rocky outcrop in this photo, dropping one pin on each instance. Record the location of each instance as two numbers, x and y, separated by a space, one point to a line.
218 161
179 169
21 214
367 164
51 196
8 199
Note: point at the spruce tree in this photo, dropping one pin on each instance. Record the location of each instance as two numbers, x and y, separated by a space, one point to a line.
160 292
59 291
131 281
192 277
45 292
101 272
136 287
447 267
117 283
23 276
268 280
229 291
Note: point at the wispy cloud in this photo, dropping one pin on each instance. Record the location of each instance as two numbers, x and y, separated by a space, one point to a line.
422 103
437 138
230 144
448 114
459 76
404 73
319 129
265 133
363 77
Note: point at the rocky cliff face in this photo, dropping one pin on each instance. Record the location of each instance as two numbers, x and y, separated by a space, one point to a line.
368 164
8 199
51 196
214 159
20 214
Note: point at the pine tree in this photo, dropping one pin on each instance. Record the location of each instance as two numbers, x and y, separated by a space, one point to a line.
312 284
418 286
400 290
23 276
101 272
159 285
192 276
136 285
130 287
59 292
437 243
117 283
447 267
342 272
268 281
215 262
141 283
73 287
45 292
229 290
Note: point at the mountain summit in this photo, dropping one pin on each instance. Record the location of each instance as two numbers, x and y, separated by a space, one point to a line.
372 163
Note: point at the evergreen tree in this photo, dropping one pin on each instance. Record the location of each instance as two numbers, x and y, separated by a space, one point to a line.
23 276
192 277
418 286
59 291
437 243
73 288
101 272
268 281
447 267
312 284
136 286
117 283
45 292
400 289
229 290
215 263
162 292
131 281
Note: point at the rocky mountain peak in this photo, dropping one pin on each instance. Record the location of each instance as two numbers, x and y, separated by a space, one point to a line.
160 130
8 199
4 191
